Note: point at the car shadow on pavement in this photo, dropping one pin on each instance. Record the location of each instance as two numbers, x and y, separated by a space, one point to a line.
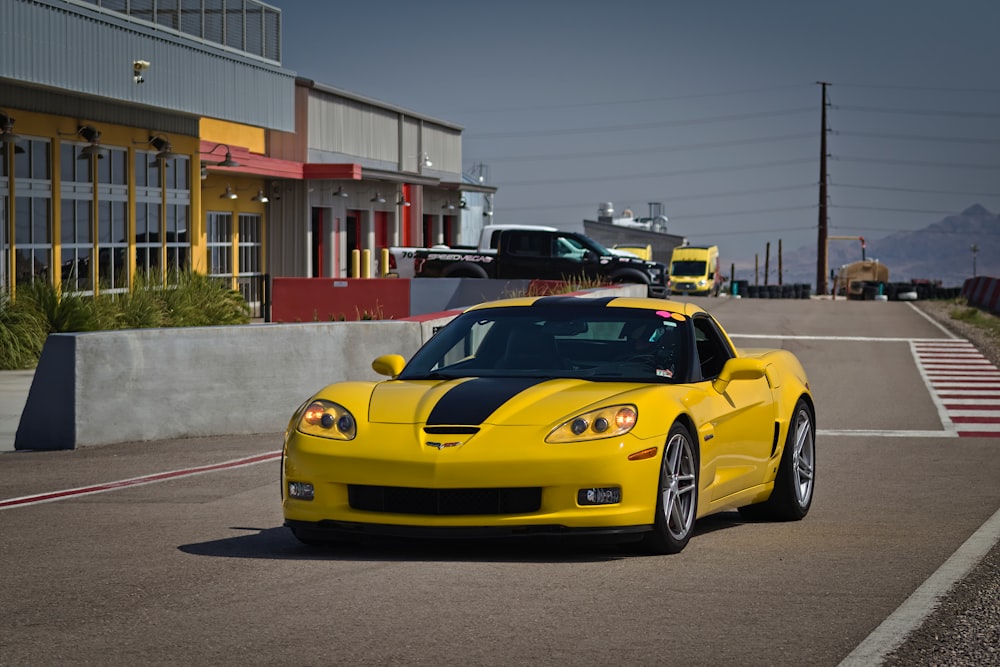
278 543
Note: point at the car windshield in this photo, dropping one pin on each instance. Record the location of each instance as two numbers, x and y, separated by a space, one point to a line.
588 342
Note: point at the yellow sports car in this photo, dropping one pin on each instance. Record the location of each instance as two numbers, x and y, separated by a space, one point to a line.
626 418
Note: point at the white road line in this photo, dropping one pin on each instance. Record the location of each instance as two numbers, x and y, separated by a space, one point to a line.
891 633
874 433
935 398
933 321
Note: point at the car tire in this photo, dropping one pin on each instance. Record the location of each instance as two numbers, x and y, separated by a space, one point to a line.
677 494
629 276
793 487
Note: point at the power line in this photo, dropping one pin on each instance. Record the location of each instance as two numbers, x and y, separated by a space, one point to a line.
639 126
645 151
646 175
895 210
697 216
671 199
647 100
917 190
918 163
917 112
914 137
917 88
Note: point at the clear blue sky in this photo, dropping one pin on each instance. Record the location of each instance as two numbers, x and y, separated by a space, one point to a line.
711 108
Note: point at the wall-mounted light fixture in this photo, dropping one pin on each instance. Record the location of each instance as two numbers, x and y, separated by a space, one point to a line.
425 159
91 134
7 135
163 147
227 162
339 192
377 199
229 193
448 205
402 201
260 196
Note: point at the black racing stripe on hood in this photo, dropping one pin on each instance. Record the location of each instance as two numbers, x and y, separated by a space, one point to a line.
471 402
564 300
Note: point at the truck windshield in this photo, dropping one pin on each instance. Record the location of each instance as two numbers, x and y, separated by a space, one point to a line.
687 268
589 243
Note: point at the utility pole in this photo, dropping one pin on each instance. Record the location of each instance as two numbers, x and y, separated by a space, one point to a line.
821 240
974 250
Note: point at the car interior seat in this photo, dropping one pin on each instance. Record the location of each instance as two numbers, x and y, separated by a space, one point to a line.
529 347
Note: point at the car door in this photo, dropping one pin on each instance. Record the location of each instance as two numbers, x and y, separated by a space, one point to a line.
737 445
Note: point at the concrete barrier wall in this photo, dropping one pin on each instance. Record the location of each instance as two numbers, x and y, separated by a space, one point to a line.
107 387
983 292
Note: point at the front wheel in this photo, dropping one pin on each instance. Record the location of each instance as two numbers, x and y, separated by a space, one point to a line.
677 498
793 487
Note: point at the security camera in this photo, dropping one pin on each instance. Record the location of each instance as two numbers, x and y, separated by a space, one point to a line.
138 66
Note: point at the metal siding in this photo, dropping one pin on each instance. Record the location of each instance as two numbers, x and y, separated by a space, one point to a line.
341 128
39 100
411 148
287 234
444 146
65 48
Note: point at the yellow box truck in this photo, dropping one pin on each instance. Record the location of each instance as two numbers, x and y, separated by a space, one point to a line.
694 270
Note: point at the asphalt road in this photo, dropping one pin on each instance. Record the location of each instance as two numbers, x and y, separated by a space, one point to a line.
158 569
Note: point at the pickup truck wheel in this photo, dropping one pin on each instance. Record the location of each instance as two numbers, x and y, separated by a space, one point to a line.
465 270
629 276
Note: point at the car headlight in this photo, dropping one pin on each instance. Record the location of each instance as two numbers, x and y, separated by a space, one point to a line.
327 419
702 283
606 422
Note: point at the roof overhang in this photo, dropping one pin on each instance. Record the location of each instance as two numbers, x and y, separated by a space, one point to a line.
399 177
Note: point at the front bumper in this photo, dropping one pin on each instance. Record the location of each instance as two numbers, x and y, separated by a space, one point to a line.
496 460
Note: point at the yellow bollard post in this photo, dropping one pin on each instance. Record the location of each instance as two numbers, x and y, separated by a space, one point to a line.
366 263
355 262
383 263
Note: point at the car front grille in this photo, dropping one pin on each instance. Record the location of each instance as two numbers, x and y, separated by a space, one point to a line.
443 502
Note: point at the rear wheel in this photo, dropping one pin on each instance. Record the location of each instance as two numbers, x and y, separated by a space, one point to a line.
677 499
793 487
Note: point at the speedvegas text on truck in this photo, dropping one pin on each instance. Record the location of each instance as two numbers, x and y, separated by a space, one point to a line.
529 252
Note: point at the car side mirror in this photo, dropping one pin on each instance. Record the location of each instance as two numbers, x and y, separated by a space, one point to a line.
587 256
738 369
389 364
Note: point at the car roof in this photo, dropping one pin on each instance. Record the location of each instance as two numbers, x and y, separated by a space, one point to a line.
569 301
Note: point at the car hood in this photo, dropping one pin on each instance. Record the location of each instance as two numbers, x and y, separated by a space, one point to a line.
493 400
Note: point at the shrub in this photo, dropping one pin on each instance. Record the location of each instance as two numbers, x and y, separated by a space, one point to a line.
61 312
22 335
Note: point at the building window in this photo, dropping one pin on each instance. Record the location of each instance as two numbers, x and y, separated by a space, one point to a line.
77 244
250 270
112 219
219 233
162 214
33 212
177 176
112 239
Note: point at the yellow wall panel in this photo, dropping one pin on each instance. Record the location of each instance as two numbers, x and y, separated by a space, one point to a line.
233 134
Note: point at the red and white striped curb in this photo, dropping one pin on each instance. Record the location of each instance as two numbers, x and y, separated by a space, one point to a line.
965 383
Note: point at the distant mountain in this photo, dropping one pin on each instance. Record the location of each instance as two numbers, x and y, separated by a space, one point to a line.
939 252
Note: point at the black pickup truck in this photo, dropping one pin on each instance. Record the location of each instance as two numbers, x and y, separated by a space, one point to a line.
540 254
